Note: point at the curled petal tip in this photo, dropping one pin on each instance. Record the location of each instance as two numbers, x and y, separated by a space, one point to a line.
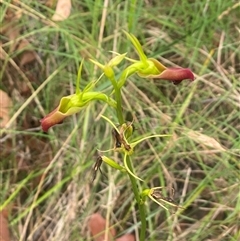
176 75
68 105
44 125
53 118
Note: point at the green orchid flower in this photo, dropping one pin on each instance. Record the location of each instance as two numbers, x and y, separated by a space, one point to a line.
74 103
155 194
123 145
152 68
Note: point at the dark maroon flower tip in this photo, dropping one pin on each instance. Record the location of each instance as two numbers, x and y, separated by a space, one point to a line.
53 118
176 75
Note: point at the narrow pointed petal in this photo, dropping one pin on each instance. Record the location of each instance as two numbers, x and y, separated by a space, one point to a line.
137 46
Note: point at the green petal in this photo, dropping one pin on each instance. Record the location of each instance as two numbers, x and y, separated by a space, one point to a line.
128 170
113 164
137 46
101 66
79 78
116 60
133 144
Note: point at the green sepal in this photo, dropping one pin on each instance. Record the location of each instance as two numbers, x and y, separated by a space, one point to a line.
128 170
137 46
117 59
113 164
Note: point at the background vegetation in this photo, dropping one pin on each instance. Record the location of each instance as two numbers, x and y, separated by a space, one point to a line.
46 178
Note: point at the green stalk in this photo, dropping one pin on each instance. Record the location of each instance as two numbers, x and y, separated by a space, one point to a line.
119 106
141 206
118 99
129 163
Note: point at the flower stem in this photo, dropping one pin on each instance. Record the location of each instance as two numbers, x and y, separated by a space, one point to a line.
118 99
138 199
129 164
119 106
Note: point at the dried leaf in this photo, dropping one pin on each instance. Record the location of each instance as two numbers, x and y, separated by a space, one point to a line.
63 10
4 231
205 140
126 237
97 226
5 106
49 3
28 55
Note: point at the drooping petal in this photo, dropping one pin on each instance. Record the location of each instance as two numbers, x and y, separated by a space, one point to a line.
56 117
64 109
53 118
73 104
176 75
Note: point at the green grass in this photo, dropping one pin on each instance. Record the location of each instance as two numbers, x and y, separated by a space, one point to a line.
199 115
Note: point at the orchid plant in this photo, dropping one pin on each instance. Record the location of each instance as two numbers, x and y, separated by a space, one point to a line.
145 67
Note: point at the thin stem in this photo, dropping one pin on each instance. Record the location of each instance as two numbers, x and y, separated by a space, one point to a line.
79 78
129 164
126 73
117 92
138 199
119 106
